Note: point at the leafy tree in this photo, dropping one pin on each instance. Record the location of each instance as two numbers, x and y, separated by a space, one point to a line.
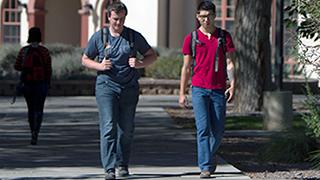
304 16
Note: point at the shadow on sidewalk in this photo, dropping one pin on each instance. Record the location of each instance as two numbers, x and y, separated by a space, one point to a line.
71 139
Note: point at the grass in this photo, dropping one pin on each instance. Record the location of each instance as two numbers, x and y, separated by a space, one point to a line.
256 123
185 119
243 123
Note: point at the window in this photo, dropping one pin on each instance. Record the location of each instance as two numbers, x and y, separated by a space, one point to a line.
225 14
10 22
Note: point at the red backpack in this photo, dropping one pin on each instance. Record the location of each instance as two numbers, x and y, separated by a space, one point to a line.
33 65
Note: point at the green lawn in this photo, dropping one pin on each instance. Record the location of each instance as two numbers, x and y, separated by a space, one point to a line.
255 123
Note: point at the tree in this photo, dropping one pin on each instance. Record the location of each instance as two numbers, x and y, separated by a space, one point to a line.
253 54
304 16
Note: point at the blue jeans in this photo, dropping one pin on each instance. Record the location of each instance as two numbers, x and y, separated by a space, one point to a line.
117 107
209 108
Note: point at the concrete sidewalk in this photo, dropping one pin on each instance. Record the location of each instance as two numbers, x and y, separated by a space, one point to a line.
68 146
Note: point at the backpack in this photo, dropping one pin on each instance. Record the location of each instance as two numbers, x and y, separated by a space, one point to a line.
221 44
104 37
33 65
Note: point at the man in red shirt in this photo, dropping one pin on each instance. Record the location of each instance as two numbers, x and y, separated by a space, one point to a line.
208 84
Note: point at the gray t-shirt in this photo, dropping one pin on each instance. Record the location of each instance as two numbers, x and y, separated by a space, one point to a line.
119 53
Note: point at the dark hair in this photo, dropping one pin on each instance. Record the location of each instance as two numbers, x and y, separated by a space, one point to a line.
207 6
34 35
116 7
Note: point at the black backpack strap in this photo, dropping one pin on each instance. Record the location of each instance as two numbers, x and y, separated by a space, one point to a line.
105 35
133 52
105 40
221 44
194 41
25 54
223 39
222 35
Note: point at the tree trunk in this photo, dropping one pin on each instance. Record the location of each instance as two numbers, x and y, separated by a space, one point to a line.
253 54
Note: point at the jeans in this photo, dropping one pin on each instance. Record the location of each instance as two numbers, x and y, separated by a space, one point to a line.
117 107
35 95
209 108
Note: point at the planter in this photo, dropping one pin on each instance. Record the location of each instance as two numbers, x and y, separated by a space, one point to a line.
147 86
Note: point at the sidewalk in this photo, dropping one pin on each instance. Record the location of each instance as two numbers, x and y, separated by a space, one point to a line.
68 146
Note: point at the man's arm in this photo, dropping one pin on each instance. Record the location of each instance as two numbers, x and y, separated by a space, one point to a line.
91 64
230 70
185 75
148 58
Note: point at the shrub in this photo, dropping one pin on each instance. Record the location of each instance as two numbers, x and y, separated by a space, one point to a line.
290 147
58 49
168 65
68 66
315 159
8 55
66 62
299 144
312 119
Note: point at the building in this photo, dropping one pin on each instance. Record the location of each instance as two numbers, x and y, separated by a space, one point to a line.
164 23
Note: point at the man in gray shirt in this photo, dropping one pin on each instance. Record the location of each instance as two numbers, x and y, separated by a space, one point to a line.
117 88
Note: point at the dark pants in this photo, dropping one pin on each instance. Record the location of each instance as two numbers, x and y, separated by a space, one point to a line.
35 95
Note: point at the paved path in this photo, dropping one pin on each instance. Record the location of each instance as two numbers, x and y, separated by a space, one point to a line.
68 146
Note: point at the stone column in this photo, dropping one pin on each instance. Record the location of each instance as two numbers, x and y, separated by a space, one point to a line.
277 110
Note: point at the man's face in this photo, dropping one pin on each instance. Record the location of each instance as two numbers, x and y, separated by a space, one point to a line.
206 18
117 20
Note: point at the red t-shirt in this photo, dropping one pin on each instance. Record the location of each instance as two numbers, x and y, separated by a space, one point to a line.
204 75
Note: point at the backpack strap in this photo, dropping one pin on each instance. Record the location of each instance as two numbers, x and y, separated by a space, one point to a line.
25 53
194 41
23 72
133 52
105 35
222 36
221 44
105 40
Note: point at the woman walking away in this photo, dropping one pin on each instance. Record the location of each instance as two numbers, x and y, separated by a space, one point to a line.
34 62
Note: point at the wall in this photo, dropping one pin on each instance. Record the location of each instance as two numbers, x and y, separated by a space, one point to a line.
182 21
143 17
62 24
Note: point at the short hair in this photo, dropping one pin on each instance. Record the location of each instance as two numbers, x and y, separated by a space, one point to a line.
34 35
206 5
116 7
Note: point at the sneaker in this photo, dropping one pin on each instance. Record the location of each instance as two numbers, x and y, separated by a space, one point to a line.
205 174
122 171
110 175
